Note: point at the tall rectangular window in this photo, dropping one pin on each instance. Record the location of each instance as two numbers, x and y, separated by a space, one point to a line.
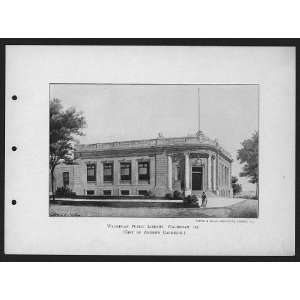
91 172
66 179
125 172
144 171
108 172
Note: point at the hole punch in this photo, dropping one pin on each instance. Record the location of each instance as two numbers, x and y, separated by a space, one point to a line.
14 202
14 97
14 148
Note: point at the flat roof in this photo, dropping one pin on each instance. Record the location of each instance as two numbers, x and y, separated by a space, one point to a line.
149 143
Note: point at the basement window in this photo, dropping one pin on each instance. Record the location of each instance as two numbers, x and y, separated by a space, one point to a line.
107 192
124 192
143 192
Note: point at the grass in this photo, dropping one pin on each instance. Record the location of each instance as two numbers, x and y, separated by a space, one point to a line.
243 209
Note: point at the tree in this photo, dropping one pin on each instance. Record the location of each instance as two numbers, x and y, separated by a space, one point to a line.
236 187
248 155
64 126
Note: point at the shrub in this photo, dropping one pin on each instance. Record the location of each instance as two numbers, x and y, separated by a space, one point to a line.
169 196
149 195
191 200
187 200
178 195
194 199
64 191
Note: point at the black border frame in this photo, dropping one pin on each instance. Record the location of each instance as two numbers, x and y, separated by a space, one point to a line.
266 42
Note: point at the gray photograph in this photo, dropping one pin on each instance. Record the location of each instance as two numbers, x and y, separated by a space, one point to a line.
154 150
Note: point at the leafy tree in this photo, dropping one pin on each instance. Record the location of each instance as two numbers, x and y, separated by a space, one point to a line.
248 155
236 187
64 125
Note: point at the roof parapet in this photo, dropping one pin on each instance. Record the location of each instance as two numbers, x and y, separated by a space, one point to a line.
145 143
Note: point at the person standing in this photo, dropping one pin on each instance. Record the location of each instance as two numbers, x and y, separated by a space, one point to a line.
204 199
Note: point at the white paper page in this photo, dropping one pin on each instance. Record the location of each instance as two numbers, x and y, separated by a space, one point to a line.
31 69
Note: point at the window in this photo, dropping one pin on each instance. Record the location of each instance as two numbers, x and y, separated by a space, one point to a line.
66 178
144 171
90 192
124 192
125 170
91 172
107 192
108 172
178 173
143 192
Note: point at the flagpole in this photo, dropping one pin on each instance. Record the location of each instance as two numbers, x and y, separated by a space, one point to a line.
198 109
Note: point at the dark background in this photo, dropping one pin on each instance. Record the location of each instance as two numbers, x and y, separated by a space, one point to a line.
136 42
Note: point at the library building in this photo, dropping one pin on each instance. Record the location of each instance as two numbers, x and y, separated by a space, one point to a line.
158 166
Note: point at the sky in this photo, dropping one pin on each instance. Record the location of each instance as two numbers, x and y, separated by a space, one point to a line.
228 113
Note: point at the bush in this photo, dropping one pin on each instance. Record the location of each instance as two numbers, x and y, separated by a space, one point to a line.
194 199
178 195
191 200
169 196
187 200
64 191
149 195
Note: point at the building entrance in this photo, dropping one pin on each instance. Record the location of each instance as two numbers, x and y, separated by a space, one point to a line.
197 176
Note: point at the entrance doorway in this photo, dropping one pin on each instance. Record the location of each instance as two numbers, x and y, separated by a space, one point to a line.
197 176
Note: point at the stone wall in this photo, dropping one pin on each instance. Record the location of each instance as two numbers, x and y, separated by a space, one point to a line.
223 179
161 176
159 168
80 185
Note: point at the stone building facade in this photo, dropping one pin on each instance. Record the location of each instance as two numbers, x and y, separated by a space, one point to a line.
162 165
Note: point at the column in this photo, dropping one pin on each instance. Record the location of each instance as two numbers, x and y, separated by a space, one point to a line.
98 172
134 172
209 172
214 175
116 172
169 172
152 171
227 177
217 174
187 174
230 175
221 175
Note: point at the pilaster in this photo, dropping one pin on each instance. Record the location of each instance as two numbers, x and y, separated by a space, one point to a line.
169 172
187 174
209 172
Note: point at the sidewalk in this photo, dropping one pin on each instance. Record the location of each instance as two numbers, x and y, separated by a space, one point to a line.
211 202
242 209
221 201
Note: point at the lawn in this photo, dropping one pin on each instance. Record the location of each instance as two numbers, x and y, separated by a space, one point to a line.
243 209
